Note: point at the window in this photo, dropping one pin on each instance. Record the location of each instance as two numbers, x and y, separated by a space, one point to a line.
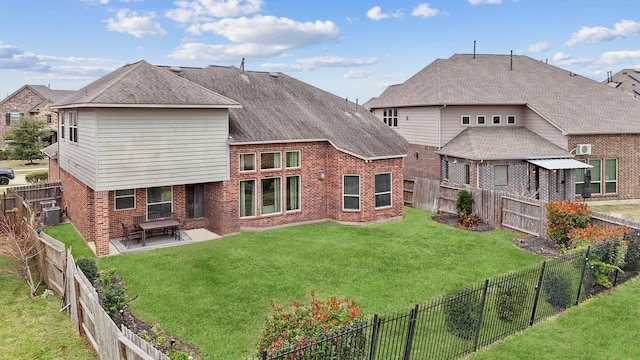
270 196
445 170
194 198
467 177
580 179
247 198
292 159
159 200
596 177
14 118
390 117
125 199
62 122
511 119
73 126
496 119
351 192
292 196
383 190
465 119
480 119
270 161
500 175
48 118
247 162
611 176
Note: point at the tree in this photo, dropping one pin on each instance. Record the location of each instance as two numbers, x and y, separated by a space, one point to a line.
26 138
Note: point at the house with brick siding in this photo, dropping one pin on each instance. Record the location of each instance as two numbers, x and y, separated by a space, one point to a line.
224 149
516 124
31 100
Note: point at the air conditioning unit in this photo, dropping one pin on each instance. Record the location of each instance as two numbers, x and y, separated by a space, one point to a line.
583 149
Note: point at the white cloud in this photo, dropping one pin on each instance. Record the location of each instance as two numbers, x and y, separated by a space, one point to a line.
540 46
624 28
357 74
564 59
560 56
425 10
200 10
95 2
225 53
480 2
128 21
375 13
615 57
307 64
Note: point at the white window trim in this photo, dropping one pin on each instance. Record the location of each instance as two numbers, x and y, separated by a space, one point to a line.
462 120
299 209
359 193
478 119
515 119
499 119
254 162
281 199
299 159
73 124
271 152
116 197
390 192
255 203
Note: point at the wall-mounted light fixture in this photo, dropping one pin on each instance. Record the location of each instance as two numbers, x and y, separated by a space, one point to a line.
321 174
533 171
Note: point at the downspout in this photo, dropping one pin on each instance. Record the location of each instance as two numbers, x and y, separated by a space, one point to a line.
440 126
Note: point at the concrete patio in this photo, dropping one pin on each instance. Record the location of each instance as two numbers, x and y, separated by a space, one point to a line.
160 241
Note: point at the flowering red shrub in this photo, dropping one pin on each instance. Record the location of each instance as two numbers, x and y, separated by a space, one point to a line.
564 216
591 234
304 324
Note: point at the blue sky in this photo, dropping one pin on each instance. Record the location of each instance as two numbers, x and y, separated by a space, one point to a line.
352 48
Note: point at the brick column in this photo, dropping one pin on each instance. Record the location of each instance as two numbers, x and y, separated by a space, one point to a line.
101 225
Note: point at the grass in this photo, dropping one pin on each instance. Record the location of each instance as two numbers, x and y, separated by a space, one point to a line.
34 328
604 327
628 211
215 295
70 237
19 165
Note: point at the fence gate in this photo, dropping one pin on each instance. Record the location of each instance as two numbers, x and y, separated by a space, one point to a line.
522 215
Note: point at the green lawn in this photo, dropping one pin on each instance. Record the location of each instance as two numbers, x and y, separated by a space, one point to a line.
34 328
604 327
22 164
68 234
215 295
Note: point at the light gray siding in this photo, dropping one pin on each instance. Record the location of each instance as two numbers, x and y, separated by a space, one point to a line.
79 159
418 125
542 127
452 117
140 148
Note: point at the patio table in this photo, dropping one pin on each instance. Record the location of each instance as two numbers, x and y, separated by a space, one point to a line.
172 224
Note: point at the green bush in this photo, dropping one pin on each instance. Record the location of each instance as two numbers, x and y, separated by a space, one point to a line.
564 216
464 202
111 291
632 258
558 287
37 177
461 311
89 268
511 300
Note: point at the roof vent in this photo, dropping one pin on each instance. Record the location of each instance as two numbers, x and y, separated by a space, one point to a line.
583 149
175 69
274 74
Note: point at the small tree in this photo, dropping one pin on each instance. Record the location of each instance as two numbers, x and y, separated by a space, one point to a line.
19 243
26 138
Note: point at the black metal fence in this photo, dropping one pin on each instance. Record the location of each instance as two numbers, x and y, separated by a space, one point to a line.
466 320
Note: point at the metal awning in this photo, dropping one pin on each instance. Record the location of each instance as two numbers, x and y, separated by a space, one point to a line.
560 164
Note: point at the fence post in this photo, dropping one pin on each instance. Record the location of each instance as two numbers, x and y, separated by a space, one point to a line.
80 310
263 356
484 298
538 286
584 269
374 337
410 332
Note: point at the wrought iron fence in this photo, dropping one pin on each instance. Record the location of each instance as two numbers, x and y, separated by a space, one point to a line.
466 320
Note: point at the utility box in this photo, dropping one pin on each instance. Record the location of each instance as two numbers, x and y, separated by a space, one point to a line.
47 204
51 215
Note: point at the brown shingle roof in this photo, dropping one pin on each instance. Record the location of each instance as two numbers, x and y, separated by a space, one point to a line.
501 143
142 84
279 108
573 103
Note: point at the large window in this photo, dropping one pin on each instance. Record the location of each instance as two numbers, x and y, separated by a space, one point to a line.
73 126
194 194
247 198
351 192
270 196
292 159
270 161
247 162
611 176
501 175
292 196
609 172
390 117
159 200
383 190
125 199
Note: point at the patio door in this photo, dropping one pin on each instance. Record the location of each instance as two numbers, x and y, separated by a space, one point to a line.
194 201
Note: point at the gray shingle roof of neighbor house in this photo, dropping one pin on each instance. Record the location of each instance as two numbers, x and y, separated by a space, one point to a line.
279 108
44 91
51 151
501 143
144 85
627 80
572 103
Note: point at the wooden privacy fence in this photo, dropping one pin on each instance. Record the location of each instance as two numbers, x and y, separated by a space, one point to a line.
32 194
80 300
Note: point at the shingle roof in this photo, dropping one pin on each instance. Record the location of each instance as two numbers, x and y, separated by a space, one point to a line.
501 143
575 104
51 151
142 84
49 94
279 108
627 80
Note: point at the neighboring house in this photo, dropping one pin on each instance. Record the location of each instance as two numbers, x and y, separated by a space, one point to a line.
627 80
224 149
516 124
31 100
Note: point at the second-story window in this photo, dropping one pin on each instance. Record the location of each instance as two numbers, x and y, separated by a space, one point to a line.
270 161
73 127
390 117
62 123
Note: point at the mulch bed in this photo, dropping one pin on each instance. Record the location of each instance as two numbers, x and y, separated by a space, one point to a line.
532 244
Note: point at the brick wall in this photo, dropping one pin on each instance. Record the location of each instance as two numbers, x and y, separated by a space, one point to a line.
54 170
422 162
23 101
78 198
